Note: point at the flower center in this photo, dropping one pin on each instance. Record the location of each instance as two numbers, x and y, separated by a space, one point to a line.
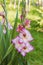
24 35
24 48
20 42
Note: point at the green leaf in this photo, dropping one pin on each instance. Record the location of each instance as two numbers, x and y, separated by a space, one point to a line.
28 62
8 52
15 25
2 46
14 33
12 57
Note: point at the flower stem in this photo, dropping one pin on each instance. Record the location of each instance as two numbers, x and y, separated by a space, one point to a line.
4 7
23 9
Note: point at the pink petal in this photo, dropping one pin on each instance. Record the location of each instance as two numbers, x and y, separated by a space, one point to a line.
15 40
27 36
3 20
4 31
9 26
30 47
23 53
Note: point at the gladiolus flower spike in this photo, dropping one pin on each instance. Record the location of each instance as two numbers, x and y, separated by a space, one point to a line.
22 41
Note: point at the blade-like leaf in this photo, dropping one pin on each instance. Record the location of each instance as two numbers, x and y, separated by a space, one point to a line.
8 52
14 33
2 45
28 62
15 25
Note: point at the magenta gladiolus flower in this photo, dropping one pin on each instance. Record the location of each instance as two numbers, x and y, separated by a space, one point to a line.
27 23
21 42
18 42
20 28
21 46
25 35
27 48
2 14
